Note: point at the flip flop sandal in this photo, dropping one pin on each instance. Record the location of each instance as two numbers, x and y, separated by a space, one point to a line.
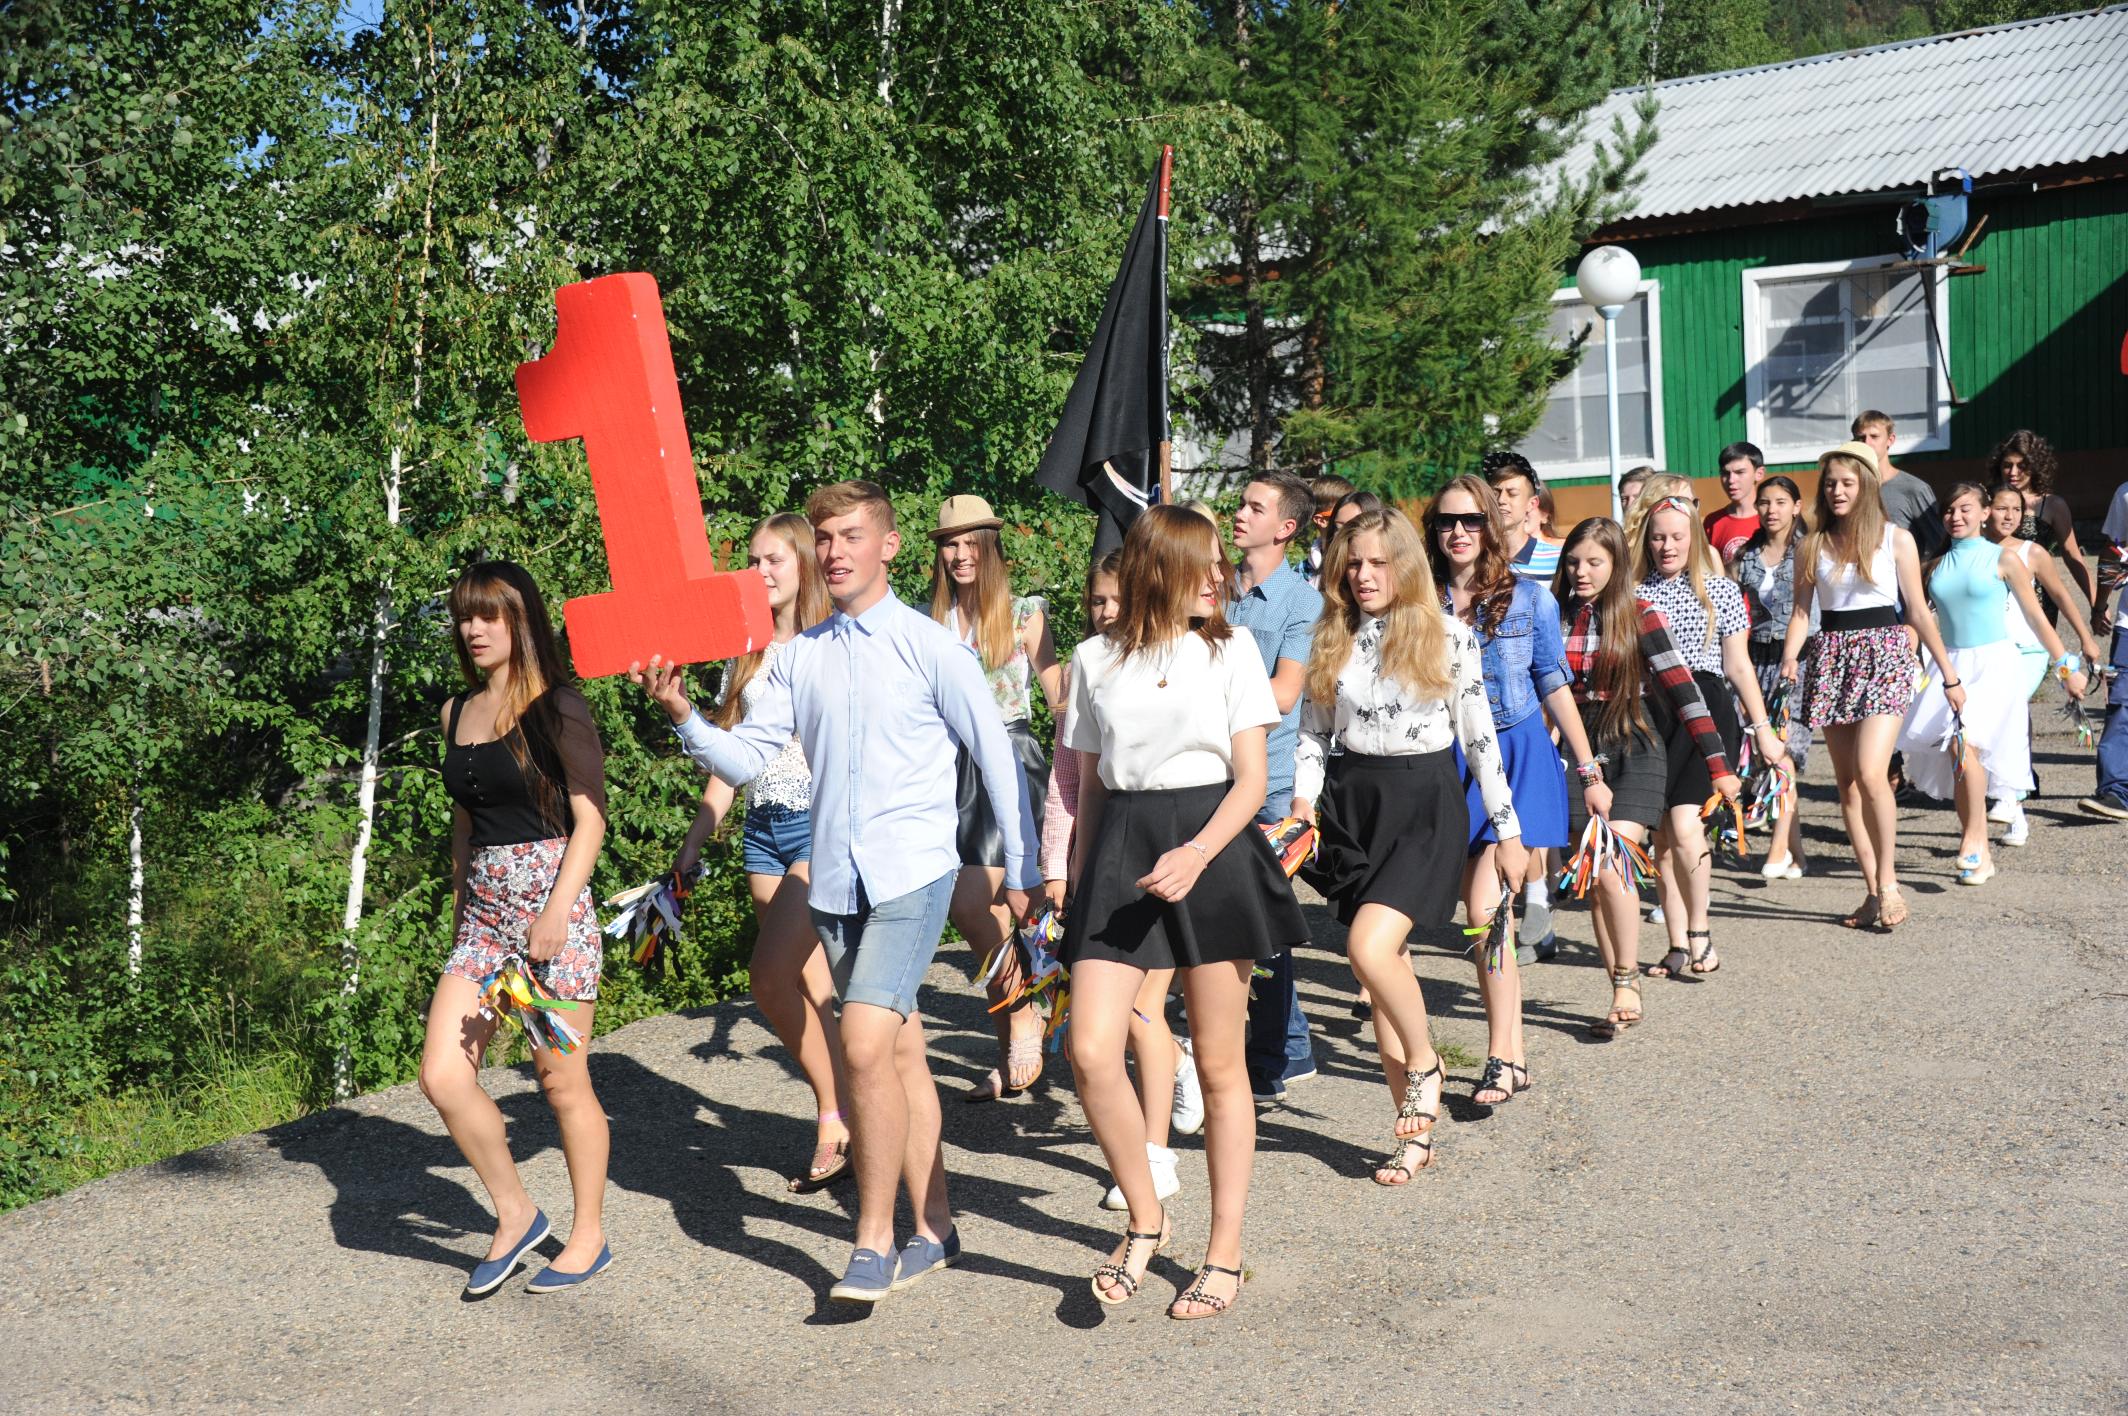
816 1178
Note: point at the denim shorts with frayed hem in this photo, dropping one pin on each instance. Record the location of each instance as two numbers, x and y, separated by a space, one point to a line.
880 954
775 838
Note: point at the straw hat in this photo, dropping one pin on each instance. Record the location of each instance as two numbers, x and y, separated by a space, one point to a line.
964 513
1861 452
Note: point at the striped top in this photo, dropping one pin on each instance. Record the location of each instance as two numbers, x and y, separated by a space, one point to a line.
1584 639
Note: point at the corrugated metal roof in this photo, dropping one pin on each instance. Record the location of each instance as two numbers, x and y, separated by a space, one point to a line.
2013 97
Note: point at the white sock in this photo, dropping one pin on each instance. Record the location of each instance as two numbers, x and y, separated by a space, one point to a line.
1538 892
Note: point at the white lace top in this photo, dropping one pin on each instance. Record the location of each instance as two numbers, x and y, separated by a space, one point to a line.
1378 717
786 784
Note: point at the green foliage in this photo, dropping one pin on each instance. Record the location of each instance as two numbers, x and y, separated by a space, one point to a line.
1709 36
1393 252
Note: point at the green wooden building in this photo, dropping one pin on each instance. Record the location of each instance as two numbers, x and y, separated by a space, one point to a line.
1788 280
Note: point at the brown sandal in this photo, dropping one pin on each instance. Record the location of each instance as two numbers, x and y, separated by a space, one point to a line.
1863 917
1891 911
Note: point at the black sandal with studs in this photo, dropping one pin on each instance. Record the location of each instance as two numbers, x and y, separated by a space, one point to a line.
1119 1275
1196 1294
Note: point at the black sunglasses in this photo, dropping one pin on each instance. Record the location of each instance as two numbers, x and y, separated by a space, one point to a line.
1468 520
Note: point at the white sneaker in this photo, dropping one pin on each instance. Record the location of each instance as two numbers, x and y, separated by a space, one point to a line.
1655 916
2004 810
1188 1117
1165 1181
2020 831
1778 869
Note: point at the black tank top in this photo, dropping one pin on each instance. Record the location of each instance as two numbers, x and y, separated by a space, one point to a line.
485 779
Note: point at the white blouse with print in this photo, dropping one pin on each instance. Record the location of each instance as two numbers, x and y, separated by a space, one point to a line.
1379 717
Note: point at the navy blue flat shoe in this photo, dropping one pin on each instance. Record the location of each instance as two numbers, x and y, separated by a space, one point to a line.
552 1280
869 1278
921 1256
490 1274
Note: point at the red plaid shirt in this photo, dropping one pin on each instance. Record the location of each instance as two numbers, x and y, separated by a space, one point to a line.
1584 638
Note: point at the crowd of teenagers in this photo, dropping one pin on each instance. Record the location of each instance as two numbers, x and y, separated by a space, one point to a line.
1464 705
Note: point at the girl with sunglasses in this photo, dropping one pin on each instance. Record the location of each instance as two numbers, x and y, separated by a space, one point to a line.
1680 575
1516 622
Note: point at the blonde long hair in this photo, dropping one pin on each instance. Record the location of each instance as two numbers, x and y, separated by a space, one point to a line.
1415 637
1852 542
809 609
994 639
1166 556
1701 563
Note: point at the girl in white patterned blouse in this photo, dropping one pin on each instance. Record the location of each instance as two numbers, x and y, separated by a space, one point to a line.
1394 681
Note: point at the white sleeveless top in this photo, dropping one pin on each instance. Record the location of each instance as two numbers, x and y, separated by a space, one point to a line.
2021 631
1842 587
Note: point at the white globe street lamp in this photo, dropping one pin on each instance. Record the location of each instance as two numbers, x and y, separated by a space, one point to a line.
1608 277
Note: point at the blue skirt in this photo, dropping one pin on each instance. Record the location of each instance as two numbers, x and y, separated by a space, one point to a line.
1535 778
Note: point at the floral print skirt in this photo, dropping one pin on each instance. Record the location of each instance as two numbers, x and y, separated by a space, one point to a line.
1854 674
506 888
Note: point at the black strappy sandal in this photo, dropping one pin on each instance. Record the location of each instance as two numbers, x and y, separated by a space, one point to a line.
1414 1086
1704 959
1495 1079
1618 1021
1196 1294
1522 1078
1666 969
1120 1274
1422 1143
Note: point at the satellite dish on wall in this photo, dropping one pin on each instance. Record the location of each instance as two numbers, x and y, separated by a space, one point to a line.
1930 226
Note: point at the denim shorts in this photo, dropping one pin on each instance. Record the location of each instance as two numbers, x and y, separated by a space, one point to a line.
775 838
880 954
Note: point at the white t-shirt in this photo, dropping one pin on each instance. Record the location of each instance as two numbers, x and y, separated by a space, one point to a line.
2116 527
1155 738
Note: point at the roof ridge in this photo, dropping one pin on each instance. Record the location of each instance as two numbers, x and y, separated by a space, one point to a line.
2085 13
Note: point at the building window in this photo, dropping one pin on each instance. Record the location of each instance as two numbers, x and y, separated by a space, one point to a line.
1824 342
1573 438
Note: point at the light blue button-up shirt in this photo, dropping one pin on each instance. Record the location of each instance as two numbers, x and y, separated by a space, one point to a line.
880 701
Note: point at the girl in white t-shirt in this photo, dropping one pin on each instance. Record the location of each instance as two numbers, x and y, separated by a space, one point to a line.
1168 870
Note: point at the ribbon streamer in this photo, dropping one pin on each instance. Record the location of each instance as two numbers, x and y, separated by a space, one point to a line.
649 913
1955 743
1494 935
1769 802
2087 727
512 994
1731 831
1294 840
1038 941
1602 848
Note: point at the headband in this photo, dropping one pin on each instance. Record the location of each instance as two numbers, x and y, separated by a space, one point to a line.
1674 503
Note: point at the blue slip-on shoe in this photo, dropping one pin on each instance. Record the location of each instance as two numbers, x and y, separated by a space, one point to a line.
921 1256
490 1274
869 1278
552 1280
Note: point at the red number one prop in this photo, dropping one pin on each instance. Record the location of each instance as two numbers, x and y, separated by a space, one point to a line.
609 380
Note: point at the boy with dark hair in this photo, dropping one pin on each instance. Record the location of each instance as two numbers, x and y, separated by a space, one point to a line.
1516 484
1275 604
1743 467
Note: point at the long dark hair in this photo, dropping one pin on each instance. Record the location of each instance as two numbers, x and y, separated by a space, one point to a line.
1619 675
529 720
1492 579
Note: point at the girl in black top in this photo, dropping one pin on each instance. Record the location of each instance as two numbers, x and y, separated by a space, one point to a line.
524 768
2025 460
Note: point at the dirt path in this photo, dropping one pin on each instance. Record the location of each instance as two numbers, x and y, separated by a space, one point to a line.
1848 1172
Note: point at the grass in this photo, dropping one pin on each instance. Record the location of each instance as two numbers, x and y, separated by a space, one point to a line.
227 1096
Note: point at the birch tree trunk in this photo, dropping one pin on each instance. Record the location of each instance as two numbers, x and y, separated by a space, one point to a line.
136 894
381 625
889 26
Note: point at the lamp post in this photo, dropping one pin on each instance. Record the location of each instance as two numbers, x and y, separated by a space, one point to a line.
1608 277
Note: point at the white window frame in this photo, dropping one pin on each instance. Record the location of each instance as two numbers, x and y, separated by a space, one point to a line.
1937 439
1600 465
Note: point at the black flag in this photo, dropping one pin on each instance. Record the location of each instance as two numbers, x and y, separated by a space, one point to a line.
1110 445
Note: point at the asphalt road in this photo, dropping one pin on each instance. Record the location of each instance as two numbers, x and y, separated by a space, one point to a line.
1848 1172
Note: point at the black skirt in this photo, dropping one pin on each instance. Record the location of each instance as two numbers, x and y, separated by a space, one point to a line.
1637 772
1395 832
1241 907
979 839
1688 781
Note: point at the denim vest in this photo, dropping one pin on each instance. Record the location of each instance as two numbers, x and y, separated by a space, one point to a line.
1525 658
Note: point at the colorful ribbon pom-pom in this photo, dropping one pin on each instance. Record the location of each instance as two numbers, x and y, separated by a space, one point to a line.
1601 849
513 994
1495 935
650 913
1294 841
1777 711
2087 727
1037 943
1769 801
1730 832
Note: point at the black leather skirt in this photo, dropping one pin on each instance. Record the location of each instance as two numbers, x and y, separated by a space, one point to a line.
981 840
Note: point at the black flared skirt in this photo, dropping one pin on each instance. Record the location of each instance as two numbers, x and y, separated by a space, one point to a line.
980 840
1395 832
1688 782
1241 907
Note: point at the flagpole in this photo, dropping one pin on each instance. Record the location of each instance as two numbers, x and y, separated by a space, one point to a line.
1167 447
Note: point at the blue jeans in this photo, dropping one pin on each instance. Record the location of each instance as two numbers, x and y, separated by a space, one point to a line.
775 838
1279 1043
2113 743
880 954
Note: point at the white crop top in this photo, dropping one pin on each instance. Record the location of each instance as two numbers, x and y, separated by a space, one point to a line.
1843 588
